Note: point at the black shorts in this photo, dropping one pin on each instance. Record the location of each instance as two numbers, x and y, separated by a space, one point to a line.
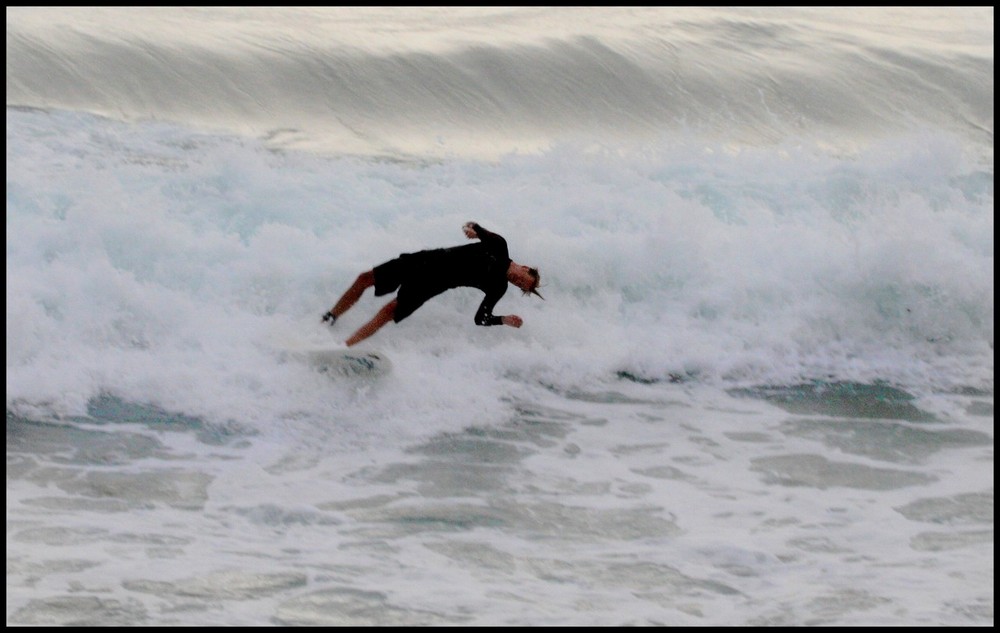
404 273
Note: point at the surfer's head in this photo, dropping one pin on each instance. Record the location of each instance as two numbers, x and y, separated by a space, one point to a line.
525 278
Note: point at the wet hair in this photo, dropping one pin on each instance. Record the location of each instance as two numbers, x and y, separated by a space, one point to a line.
537 279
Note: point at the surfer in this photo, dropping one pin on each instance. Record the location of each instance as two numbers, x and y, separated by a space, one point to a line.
419 276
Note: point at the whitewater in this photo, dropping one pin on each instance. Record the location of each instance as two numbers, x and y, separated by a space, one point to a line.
759 390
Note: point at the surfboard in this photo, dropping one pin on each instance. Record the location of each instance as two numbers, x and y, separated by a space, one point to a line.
341 361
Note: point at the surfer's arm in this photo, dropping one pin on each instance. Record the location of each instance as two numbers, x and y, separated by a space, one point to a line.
489 319
495 245
485 316
474 231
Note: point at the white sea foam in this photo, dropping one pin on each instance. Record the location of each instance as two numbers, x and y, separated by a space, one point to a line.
160 264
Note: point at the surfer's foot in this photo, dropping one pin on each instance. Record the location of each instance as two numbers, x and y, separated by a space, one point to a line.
329 318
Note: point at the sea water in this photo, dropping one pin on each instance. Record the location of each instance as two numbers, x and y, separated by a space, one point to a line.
759 390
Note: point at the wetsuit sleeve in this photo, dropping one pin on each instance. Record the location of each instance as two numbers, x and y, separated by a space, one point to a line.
496 245
484 315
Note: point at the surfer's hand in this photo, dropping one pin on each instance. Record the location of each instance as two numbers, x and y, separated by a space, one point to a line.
470 230
329 318
512 320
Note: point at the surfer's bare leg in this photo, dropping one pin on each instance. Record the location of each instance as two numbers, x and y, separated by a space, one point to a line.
364 281
382 317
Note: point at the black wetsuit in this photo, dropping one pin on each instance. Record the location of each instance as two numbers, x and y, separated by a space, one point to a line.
425 274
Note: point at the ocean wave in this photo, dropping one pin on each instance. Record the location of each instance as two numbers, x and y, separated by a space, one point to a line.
748 77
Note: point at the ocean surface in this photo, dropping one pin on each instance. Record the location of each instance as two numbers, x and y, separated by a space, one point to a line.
759 391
